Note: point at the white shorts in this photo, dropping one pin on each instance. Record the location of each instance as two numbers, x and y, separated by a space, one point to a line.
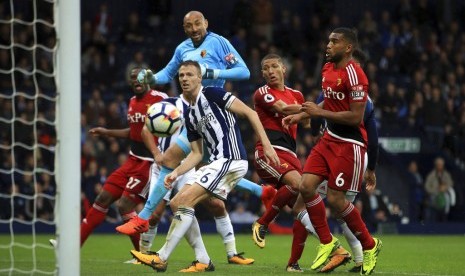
220 176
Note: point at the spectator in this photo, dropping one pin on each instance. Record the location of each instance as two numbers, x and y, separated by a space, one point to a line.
416 193
133 31
435 110
372 208
242 215
103 21
439 187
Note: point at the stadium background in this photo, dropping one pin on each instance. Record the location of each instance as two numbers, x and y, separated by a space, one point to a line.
415 49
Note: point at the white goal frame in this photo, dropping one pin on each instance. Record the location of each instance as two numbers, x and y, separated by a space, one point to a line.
67 159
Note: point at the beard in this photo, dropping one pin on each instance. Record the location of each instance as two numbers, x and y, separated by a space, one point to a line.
335 58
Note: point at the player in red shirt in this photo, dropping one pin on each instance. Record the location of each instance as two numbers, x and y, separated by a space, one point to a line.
273 102
270 101
339 156
128 180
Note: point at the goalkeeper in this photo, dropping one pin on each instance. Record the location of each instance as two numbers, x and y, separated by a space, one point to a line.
218 59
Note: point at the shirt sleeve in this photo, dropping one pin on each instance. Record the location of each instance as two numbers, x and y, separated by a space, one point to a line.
357 84
266 100
372 133
236 68
219 96
166 74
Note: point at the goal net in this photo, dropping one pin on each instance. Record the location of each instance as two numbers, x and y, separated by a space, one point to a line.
33 145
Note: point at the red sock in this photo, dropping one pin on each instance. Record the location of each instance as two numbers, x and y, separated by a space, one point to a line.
298 242
136 237
284 196
317 212
94 218
355 223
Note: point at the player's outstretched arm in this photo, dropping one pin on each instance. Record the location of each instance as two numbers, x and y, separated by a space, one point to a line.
151 145
117 133
241 109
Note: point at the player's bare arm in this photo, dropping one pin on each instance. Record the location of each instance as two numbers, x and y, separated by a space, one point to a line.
117 133
241 109
295 118
192 159
151 145
352 117
285 109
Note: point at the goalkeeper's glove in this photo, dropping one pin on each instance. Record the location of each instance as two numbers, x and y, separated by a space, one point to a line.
209 73
146 76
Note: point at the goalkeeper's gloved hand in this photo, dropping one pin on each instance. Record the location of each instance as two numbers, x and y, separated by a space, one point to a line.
209 73
146 76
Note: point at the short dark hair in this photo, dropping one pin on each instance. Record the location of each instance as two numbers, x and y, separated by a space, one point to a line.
191 62
271 56
349 34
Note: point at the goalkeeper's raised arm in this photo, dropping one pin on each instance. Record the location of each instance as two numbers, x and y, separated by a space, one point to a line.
218 59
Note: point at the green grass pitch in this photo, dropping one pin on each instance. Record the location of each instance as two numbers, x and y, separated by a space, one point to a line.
104 255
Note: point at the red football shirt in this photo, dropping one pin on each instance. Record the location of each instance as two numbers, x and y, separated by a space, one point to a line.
264 98
137 110
341 87
136 117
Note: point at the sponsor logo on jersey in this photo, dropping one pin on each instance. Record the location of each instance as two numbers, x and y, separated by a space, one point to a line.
230 59
339 81
204 120
136 118
203 53
268 98
330 94
285 165
357 92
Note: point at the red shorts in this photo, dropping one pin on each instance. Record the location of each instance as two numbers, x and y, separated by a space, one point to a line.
130 179
341 163
272 174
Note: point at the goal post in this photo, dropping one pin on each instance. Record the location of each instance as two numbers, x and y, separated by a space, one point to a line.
67 162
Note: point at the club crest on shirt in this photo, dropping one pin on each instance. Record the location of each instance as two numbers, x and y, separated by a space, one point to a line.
230 59
268 98
203 53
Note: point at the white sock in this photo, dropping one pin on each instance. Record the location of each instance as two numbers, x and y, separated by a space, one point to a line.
354 243
182 220
194 238
146 239
305 220
225 229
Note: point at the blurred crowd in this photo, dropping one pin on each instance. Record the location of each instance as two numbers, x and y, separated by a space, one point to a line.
416 69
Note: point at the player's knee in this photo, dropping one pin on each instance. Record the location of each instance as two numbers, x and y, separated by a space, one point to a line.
104 199
172 157
293 180
336 200
216 207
